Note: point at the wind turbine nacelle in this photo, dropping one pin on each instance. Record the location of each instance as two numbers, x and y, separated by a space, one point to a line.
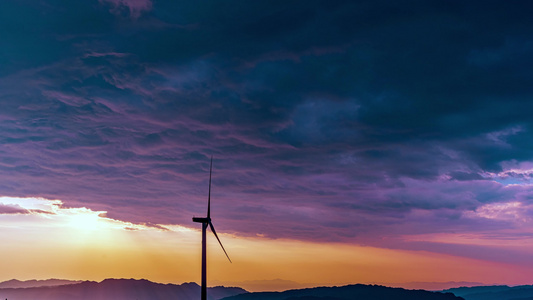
201 220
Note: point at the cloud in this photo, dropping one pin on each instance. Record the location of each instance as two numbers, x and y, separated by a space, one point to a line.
345 122
53 213
135 7
8 210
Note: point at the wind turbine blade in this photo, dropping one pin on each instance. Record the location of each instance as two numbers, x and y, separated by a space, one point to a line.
209 195
215 233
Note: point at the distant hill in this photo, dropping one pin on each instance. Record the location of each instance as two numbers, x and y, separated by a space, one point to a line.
349 292
118 289
275 285
431 286
14 283
495 292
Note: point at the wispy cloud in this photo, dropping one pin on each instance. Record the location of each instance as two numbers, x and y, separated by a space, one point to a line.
134 7
343 122
12 209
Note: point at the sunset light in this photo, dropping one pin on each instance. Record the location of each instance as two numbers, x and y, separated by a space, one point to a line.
106 247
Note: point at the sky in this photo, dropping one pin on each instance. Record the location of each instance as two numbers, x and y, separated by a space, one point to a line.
352 141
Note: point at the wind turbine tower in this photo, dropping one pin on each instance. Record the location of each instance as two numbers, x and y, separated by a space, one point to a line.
205 223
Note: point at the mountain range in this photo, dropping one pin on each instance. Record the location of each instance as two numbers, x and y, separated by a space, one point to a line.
349 292
134 289
118 289
495 292
269 285
14 283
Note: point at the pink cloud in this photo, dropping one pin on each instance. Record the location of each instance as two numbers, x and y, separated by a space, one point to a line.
12 210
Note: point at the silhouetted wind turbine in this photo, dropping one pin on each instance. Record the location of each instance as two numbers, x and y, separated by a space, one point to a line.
207 222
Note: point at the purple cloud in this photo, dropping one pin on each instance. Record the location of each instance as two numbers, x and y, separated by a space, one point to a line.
135 7
14 209
10 210
321 128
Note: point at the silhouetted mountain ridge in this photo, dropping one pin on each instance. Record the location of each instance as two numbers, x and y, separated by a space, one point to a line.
348 292
14 283
119 289
495 292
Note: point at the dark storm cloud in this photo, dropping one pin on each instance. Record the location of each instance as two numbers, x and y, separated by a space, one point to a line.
329 121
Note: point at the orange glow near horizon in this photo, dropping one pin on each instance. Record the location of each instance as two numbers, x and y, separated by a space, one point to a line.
50 241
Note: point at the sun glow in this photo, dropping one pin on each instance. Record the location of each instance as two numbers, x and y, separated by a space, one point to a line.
84 219
79 243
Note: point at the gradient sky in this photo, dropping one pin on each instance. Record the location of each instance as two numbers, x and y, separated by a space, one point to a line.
353 141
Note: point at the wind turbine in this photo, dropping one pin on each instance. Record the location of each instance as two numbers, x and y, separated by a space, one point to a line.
207 222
